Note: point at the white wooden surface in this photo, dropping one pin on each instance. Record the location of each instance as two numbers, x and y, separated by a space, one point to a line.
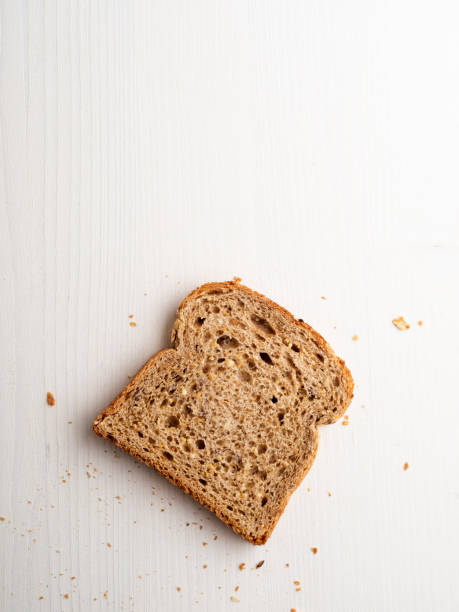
310 147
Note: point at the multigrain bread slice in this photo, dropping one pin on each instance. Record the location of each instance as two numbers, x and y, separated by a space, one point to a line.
231 413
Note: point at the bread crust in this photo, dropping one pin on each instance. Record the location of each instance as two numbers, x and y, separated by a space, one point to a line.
160 466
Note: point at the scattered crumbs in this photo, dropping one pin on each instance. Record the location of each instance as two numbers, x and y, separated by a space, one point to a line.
63 480
99 499
322 297
205 566
162 510
296 582
298 589
242 566
34 540
106 594
400 323
66 596
215 538
73 578
237 279
88 474
345 420
69 422
259 564
329 494
179 589
131 316
314 550
219 588
204 543
405 466
292 609
51 400
355 337
132 323
109 545
94 598
287 565
41 597
420 323
29 501
200 527
117 497
309 490
235 599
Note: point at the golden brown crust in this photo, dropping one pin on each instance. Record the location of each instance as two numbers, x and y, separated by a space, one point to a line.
113 407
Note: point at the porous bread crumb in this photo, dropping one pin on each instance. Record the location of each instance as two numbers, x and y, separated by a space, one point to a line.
205 566
292 609
131 316
50 399
287 565
259 564
298 589
297 582
237 279
355 337
405 466
420 323
179 589
66 596
73 578
242 566
41 597
235 599
236 588
204 543
314 550
132 323
400 323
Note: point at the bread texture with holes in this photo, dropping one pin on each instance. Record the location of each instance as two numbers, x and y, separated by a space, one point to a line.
230 414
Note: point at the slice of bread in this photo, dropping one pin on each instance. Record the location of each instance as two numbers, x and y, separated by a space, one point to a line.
230 414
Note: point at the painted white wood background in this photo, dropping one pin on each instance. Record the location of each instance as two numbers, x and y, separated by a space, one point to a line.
311 147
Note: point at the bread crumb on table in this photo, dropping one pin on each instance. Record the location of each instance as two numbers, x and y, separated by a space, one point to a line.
314 550
179 589
242 566
132 323
51 400
236 588
235 599
237 279
259 564
297 582
66 596
322 297
109 545
420 323
405 466
400 323
204 543
298 589
287 565
131 316
355 337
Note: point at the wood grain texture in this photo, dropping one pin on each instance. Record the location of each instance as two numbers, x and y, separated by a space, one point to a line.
150 146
